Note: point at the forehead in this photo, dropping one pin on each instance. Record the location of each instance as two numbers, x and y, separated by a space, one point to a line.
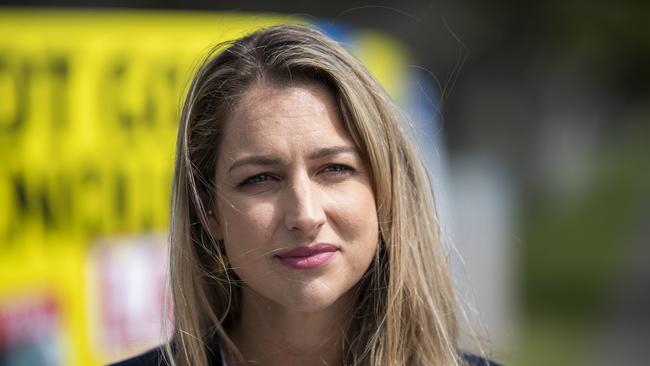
271 116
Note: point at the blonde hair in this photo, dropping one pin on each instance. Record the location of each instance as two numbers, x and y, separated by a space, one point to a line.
405 309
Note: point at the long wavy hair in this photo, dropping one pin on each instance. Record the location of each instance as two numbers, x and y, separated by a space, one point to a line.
405 307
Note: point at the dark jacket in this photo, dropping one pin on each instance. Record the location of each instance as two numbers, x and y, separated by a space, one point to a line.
155 358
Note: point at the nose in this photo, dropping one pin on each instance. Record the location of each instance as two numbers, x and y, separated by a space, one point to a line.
304 211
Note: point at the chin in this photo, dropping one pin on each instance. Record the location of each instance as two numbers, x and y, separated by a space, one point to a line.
312 298
310 305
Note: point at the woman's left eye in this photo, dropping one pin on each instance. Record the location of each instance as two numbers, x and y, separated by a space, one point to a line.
337 169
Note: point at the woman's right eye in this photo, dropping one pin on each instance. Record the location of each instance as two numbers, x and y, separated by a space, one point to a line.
256 180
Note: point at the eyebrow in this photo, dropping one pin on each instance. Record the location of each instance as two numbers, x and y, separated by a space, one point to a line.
333 150
273 160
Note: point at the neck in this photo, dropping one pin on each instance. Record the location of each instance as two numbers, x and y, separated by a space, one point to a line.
271 334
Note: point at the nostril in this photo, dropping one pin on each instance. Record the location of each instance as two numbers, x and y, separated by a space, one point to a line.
305 220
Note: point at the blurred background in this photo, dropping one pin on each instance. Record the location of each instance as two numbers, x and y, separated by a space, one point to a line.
534 118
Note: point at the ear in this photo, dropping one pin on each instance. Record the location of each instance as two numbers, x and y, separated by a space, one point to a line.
215 226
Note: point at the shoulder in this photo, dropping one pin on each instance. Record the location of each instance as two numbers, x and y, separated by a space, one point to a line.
157 357
154 357
473 360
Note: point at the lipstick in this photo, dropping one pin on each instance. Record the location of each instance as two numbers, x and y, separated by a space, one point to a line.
308 256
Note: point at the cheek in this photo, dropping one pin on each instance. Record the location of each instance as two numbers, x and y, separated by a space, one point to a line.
360 230
357 212
246 227
356 222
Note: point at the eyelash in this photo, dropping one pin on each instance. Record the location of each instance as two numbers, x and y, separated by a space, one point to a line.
340 169
255 179
335 169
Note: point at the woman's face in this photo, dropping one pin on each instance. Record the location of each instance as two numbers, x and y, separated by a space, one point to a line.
295 205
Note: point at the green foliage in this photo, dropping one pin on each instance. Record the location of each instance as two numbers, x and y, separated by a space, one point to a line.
574 250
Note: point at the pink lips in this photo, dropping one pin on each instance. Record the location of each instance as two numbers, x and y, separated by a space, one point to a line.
308 256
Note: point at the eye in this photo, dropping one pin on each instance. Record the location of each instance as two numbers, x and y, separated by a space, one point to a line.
256 180
338 169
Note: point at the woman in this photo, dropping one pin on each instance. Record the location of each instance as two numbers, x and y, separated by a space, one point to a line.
303 230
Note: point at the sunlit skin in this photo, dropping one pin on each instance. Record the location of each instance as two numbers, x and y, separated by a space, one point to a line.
289 175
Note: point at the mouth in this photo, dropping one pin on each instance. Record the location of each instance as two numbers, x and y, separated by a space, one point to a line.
308 256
